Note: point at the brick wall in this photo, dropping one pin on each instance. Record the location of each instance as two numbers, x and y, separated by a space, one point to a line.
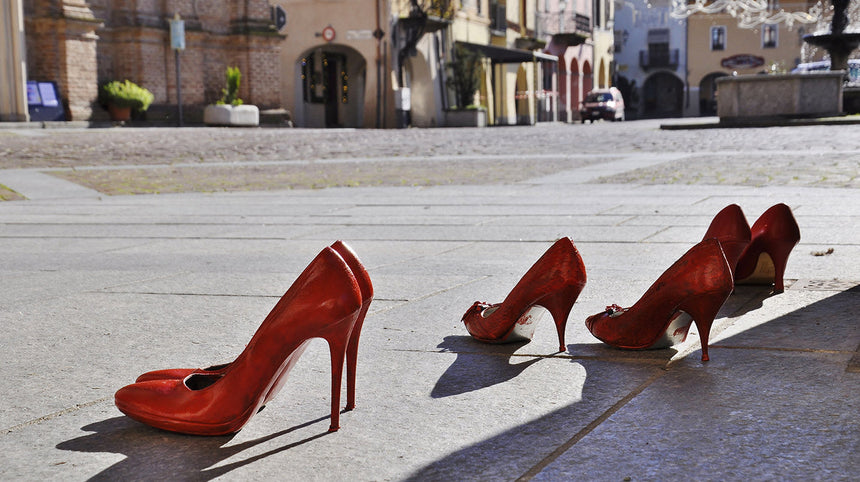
61 47
133 42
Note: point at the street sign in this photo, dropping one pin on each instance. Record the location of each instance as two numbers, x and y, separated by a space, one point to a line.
177 33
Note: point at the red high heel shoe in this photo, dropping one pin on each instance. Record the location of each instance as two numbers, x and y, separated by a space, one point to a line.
774 234
732 230
366 288
553 282
696 286
323 302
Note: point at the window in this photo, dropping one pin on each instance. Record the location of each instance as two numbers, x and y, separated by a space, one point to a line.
769 36
718 38
658 47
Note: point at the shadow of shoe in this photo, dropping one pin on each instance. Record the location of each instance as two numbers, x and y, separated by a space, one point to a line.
602 351
154 454
789 378
476 366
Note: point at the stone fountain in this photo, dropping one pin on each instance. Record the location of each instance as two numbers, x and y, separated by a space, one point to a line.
838 43
756 99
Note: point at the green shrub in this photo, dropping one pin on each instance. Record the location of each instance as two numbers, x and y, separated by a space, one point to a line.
466 79
230 95
126 94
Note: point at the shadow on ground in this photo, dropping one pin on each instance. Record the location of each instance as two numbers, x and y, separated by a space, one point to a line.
153 454
773 385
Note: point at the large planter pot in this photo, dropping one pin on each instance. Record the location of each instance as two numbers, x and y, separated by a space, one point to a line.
746 99
466 118
119 114
231 115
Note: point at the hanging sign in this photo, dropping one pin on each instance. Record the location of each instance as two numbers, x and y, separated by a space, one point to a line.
177 33
742 61
359 34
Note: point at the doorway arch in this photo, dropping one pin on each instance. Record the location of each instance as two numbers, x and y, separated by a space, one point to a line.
572 107
330 84
587 78
708 94
663 96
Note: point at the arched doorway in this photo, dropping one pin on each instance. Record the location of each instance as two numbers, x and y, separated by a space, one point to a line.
330 83
663 96
708 94
587 78
573 93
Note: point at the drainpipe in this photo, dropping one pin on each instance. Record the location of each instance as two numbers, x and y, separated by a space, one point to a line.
686 67
380 74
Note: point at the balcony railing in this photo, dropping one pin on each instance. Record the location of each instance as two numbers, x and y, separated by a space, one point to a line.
667 59
557 23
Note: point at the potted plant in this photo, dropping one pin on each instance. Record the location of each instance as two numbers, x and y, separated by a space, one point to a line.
230 110
465 80
123 97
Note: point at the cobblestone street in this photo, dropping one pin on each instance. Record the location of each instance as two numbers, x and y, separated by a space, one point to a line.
150 160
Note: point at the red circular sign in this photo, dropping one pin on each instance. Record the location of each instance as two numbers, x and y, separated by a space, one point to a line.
328 33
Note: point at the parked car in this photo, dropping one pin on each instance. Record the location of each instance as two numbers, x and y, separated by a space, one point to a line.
853 69
602 104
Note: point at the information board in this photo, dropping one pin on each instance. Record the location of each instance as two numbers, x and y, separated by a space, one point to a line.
43 102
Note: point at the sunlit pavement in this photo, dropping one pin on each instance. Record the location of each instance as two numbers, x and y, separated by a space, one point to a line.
100 288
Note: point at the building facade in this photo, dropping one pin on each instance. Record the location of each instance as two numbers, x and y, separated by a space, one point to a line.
567 28
723 48
651 58
330 63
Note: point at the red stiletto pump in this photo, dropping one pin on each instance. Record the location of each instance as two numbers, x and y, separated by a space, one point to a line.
774 234
366 288
323 302
696 286
553 282
732 230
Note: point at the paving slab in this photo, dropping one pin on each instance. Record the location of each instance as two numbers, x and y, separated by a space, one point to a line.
98 289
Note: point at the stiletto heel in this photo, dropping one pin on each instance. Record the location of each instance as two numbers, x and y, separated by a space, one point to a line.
553 282
693 288
774 235
323 302
703 310
366 288
337 349
559 305
732 230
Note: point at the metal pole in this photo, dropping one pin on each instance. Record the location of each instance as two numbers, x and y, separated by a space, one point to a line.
178 86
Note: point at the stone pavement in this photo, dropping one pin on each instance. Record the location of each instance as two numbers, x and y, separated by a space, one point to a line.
98 288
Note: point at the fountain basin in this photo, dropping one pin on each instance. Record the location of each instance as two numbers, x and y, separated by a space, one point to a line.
748 99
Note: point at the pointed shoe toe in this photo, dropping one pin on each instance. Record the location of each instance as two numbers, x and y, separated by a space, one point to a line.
553 282
692 290
366 288
324 302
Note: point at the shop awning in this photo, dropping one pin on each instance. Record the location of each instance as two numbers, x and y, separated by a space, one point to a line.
502 55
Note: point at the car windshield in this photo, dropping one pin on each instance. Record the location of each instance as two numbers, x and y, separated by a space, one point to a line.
599 97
